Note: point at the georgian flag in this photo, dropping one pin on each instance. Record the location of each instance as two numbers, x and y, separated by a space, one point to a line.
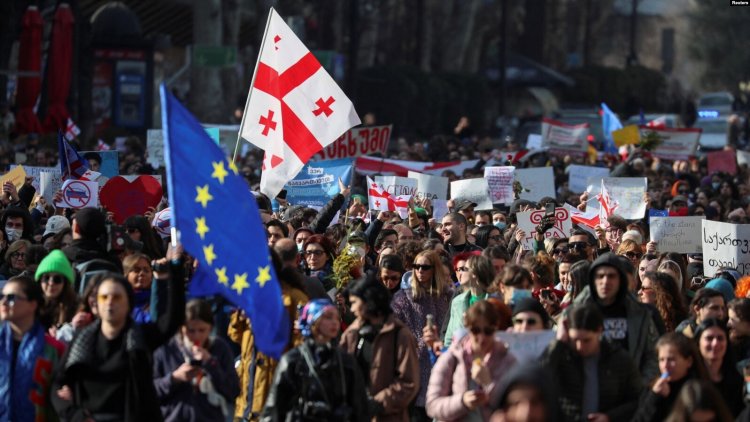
607 207
294 107
71 130
382 200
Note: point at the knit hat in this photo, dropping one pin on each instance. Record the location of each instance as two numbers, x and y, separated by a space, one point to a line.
55 262
56 224
722 286
531 305
91 222
312 311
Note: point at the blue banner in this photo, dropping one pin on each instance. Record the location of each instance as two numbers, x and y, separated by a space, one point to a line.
317 182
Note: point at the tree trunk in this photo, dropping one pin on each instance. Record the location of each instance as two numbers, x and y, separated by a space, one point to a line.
369 18
234 89
206 96
460 35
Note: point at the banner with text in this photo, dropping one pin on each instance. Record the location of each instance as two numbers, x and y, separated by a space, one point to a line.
500 182
397 185
318 182
430 187
725 245
528 220
676 144
559 137
358 141
677 234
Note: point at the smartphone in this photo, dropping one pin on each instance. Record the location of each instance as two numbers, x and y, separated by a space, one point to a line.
549 209
546 294
195 362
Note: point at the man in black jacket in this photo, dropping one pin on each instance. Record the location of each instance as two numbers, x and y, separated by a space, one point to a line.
89 228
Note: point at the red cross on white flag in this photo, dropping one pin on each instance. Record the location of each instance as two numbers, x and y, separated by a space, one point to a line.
382 200
294 108
608 205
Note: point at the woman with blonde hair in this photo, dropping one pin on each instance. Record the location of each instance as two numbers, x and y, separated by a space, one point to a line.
630 250
423 307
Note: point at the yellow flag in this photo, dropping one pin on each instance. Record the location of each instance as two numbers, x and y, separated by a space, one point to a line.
627 135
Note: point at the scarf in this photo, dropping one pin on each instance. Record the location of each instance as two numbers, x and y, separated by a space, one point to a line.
15 394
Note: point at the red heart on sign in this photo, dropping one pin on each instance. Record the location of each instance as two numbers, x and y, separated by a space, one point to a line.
124 198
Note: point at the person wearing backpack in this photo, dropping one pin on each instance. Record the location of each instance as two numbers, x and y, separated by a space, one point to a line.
385 350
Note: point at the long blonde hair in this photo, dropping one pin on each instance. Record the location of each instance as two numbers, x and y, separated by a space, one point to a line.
440 279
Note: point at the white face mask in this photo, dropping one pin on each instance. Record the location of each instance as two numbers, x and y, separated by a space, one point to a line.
13 234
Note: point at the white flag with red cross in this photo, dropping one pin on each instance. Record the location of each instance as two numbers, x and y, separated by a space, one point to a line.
607 205
380 199
294 108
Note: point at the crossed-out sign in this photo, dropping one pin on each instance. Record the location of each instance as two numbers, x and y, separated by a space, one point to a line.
77 194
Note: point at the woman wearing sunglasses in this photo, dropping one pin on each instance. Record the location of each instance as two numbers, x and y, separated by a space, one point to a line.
466 376
55 274
429 293
478 273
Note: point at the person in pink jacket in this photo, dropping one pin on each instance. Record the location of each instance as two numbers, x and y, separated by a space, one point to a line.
465 377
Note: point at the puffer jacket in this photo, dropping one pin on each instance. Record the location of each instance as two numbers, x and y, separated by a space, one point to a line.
451 378
255 369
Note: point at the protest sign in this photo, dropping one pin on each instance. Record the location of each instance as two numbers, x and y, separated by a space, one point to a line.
430 187
725 245
439 209
500 182
397 186
17 176
49 183
743 157
155 147
676 144
537 182
474 190
36 173
79 194
318 182
125 197
527 346
630 194
534 141
676 234
528 220
358 141
578 176
722 162
559 137
626 136
110 162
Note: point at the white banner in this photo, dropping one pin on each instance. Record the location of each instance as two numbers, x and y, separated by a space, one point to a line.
528 220
396 185
578 176
79 194
560 137
537 182
725 245
500 182
475 190
677 234
358 141
430 187
526 346
676 144
155 147
630 194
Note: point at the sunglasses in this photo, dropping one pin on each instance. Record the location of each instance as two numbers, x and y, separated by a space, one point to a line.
578 245
315 252
633 255
11 298
558 251
54 279
422 267
488 331
529 321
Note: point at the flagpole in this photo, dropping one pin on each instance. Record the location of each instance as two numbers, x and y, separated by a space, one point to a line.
252 84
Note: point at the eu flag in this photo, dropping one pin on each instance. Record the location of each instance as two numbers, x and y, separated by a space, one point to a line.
220 226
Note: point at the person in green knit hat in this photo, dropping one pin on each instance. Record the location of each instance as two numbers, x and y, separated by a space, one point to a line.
56 277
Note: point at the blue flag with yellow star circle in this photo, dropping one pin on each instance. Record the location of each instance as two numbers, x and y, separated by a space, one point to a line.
220 226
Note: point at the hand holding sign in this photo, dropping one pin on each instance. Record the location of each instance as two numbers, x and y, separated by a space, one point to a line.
78 194
124 198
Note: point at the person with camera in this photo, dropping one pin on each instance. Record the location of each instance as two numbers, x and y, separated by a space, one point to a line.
194 373
316 381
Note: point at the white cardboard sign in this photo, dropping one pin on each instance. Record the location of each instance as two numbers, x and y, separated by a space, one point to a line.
79 194
578 176
725 245
430 187
526 346
537 182
397 186
475 190
155 147
500 182
677 234
630 194
528 220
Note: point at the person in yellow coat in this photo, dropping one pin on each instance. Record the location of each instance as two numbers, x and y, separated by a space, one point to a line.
255 369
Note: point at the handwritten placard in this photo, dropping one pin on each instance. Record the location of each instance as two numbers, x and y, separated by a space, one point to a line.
579 176
430 187
725 245
526 346
475 190
500 182
630 194
528 220
50 182
677 234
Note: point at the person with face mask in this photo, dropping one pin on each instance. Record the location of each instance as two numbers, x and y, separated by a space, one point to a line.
17 224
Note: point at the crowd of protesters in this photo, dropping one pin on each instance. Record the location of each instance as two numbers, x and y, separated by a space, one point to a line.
394 318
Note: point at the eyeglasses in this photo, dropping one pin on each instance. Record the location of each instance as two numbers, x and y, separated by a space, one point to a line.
11 298
633 255
527 321
422 267
114 297
578 245
54 279
462 269
315 252
488 331
18 255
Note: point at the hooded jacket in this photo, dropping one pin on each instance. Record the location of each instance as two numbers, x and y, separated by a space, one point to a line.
530 374
641 331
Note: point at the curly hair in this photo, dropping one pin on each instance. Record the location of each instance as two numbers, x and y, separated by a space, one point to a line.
669 301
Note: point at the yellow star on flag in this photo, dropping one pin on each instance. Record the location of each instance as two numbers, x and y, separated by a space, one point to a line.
240 283
264 274
219 171
201 227
221 274
233 167
208 253
203 196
